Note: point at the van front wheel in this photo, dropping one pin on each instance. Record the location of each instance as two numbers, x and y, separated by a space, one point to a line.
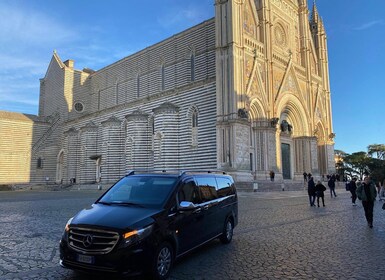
163 261
227 234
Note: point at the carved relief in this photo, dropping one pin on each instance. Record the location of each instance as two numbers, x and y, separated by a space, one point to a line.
248 68
278 76
285 7
280 35
248 22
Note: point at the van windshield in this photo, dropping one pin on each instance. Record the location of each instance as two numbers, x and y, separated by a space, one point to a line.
149 191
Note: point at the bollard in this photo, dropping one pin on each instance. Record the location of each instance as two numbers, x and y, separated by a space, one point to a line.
255 186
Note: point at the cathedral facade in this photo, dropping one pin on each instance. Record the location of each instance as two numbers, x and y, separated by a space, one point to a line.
246 92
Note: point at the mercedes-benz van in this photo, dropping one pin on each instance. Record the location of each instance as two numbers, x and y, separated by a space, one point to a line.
145 221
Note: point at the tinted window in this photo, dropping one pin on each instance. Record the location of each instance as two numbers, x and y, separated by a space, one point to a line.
207 188
189 192
143 190
225 187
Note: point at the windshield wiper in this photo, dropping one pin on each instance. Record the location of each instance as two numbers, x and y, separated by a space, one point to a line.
104 203
126 203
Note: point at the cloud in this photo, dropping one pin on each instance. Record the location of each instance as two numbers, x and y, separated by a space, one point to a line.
192 15
30 27
369 25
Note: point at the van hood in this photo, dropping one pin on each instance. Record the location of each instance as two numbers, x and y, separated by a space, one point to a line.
115 216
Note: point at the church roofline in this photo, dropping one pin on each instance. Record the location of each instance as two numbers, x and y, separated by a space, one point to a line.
6 115
206 22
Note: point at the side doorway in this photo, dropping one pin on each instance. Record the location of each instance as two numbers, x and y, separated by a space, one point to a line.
60 167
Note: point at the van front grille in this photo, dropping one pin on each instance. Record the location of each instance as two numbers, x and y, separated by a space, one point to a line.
92 241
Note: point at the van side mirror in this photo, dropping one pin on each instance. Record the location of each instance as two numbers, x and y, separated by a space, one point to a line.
186 205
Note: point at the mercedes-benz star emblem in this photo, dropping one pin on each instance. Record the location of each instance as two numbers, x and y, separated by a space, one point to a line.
88 240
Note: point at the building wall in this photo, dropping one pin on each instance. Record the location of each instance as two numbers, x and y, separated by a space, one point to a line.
17 135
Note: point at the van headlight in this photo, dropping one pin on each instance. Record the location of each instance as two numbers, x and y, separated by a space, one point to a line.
67 227
133 236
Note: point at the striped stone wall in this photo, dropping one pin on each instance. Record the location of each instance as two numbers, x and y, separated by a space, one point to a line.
141 109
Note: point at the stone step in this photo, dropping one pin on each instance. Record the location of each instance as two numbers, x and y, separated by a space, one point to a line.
268 186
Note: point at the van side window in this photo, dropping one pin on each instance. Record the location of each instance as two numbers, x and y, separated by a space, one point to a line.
207 188
189 192
225 187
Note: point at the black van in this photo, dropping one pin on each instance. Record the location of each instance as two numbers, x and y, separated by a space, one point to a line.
147 220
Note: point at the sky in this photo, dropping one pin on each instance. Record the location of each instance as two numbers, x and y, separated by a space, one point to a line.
97 33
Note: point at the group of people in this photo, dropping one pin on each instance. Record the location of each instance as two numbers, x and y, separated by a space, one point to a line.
366 191
315 190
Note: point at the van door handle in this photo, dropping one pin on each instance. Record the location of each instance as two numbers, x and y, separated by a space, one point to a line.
198 210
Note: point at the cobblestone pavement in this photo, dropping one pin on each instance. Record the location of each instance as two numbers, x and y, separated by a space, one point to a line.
279 236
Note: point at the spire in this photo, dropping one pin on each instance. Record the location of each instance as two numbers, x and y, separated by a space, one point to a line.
314 15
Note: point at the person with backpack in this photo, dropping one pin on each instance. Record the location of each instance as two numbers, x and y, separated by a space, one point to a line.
367 192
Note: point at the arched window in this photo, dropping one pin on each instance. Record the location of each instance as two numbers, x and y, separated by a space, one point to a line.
162 78
137 86
192 67
39 163
194 128
194 118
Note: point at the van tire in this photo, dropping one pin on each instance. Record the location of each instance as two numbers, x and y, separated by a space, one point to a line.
163 261
227 234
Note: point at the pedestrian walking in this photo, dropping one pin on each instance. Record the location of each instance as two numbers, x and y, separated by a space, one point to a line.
332 186
352 189
304 177
366 192
309 176
319 190
272 175
311 190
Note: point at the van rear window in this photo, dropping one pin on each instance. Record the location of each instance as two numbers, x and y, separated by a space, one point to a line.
207 188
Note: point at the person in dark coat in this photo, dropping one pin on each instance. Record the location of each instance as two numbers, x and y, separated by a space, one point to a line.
311 190
332 186
352 189
367 192
319 190
304 177
272 174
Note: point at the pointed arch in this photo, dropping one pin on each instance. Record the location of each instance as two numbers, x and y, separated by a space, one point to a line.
193 118
290 108
192 67
60 166
257 111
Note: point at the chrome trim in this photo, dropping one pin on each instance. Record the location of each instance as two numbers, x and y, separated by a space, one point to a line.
92 241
